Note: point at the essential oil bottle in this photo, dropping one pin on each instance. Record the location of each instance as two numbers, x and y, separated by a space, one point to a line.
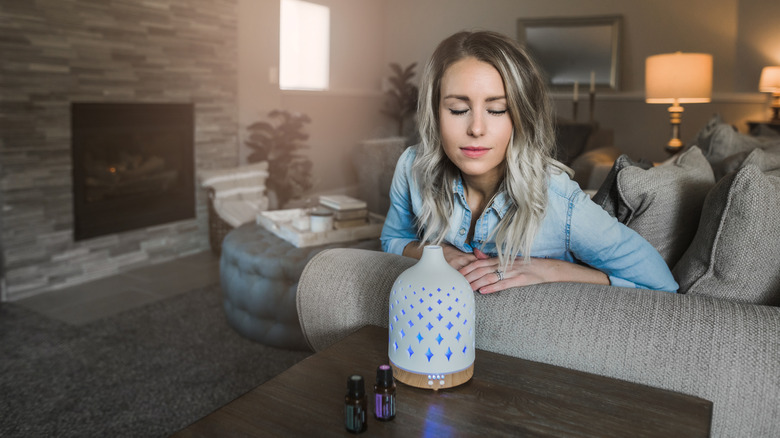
384 394
355 405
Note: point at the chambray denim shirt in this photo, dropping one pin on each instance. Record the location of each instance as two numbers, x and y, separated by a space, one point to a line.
574 229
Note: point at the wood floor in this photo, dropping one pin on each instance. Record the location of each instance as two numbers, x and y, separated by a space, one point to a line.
105 297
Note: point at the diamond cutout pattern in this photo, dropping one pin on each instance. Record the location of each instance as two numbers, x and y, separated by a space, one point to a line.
438 317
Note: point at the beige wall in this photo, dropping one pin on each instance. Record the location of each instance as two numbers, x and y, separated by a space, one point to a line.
342 116
368 34
649 27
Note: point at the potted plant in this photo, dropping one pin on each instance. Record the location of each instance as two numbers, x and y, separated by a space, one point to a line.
401 102
281 143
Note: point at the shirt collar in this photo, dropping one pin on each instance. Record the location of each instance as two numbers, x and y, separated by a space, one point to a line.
500 202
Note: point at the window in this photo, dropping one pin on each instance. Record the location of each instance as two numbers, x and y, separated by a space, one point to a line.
304 46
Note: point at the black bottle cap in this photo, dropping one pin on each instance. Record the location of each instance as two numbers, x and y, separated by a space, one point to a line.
384 375
355 386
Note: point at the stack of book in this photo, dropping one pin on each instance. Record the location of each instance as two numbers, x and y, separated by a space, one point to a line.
347 211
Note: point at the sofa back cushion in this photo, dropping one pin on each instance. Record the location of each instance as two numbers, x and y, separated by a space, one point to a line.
734 254
659 202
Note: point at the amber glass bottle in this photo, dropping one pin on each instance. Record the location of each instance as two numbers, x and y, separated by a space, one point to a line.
355 405
384 394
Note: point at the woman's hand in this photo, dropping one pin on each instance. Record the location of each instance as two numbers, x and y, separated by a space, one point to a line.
483 273
457 258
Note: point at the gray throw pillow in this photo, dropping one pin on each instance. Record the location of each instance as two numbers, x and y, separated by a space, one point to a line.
719 140
664 202
607 195
735 253
765 159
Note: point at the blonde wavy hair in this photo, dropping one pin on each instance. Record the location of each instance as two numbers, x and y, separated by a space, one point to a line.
528 155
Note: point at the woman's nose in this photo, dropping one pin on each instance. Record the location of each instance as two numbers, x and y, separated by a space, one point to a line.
476 125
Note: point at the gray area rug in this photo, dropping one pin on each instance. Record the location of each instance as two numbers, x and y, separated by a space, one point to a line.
146 372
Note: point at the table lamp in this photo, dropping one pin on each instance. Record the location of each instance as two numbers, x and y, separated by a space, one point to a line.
677 78
770 83
431 324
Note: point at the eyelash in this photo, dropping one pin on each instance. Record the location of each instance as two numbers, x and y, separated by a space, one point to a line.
491 112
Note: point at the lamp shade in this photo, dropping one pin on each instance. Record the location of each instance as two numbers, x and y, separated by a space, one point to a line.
770 80
678 77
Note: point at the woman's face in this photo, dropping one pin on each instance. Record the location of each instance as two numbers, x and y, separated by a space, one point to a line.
473 118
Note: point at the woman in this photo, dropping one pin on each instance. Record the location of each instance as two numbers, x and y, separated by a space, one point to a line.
483 184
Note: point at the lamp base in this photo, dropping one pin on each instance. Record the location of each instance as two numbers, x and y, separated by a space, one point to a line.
674 146
432 381
675 119
775 114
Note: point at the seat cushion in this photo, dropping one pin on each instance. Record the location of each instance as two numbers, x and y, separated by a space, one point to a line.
734 254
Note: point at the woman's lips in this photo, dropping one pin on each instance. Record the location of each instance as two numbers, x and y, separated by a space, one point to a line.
474 151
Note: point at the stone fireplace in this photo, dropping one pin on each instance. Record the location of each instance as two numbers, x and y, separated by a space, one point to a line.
56 234
132 166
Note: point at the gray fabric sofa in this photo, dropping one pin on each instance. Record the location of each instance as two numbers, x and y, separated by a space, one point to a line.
718 339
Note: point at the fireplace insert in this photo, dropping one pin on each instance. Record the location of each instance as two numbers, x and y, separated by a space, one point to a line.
133 166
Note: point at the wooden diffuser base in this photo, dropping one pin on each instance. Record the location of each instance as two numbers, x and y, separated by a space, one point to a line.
432 381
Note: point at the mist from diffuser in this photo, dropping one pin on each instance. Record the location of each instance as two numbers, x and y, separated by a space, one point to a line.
432 324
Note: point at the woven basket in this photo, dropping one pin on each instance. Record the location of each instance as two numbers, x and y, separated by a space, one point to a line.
218 228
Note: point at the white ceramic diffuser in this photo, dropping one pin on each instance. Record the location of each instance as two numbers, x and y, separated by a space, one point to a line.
431 326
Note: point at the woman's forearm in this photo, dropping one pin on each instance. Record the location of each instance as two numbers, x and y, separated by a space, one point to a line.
413 250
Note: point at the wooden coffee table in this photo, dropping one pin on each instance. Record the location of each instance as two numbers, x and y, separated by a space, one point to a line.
506 397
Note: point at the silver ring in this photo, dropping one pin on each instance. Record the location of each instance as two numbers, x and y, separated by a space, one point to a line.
500 274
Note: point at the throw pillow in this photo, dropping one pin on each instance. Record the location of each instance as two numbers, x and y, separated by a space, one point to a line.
734 254
765 159
663 202
607 195
719 140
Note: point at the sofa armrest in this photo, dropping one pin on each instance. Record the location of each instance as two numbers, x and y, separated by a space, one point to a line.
722 351
362 293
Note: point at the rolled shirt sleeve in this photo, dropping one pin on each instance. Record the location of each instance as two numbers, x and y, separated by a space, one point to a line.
602 242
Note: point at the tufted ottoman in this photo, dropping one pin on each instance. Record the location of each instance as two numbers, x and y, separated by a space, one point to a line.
259 275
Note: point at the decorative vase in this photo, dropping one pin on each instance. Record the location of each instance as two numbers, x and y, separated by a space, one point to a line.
431 324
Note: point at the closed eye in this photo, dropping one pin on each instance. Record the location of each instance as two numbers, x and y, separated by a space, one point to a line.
497 113
458 112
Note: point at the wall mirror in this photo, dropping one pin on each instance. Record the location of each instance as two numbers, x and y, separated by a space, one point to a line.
569 49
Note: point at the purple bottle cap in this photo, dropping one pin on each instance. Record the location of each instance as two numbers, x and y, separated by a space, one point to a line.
384 375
